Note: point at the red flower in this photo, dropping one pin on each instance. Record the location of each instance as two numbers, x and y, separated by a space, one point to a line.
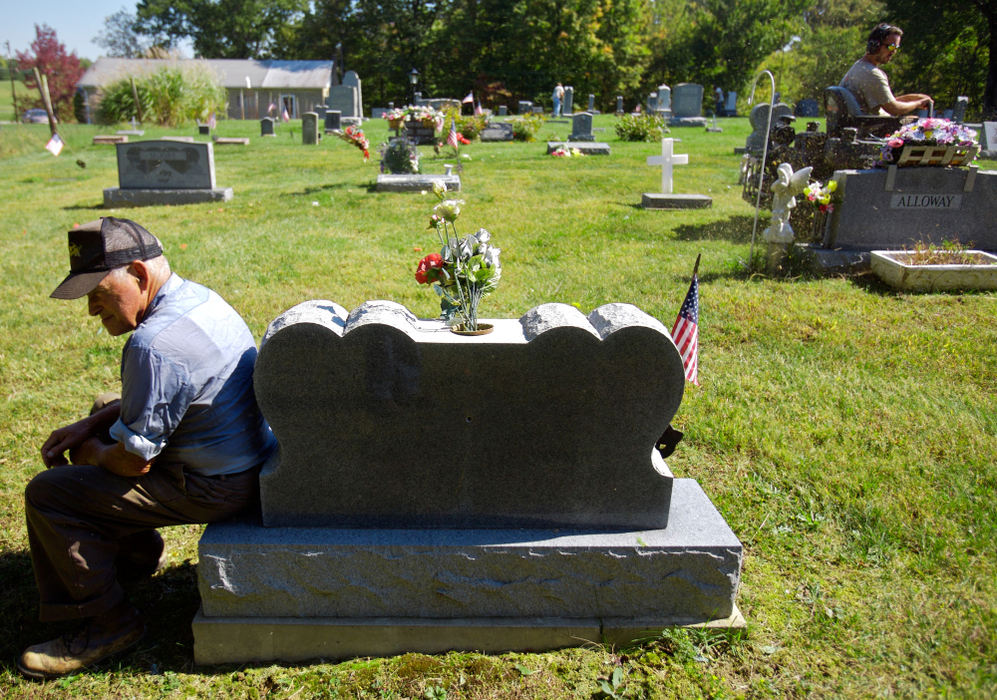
426 272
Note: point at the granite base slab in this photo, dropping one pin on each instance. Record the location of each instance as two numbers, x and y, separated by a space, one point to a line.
117 197
655 200
567 584
589 148
245 640
833 261
416 183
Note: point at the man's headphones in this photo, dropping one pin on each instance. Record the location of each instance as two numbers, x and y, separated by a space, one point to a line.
877 35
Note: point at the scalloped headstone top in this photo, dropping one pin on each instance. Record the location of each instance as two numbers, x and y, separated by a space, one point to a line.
386 420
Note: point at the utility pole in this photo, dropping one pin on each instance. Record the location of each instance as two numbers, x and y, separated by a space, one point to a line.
13 93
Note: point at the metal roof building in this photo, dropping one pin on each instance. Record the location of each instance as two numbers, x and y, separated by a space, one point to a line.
298 86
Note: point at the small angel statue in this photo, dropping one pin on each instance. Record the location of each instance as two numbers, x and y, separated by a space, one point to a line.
784 191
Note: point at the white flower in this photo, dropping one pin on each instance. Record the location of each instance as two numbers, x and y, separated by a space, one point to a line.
448 209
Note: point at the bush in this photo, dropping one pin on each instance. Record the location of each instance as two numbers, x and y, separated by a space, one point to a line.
640 127
399 156
169 97
471 126
525 128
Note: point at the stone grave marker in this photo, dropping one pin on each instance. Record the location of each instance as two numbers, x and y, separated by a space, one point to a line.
652 102
360 551
524 107
165 172
807 107
730 107
619 104
893 208
333 120
667 199
497 131
109 139
758 118
591 107
352 79
267 127
204 129
569 101
309 128
343 99
687 105
503 110
664 104
581 127
988 140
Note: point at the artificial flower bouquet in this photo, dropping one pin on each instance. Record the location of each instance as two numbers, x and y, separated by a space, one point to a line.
564 152
356 137
465 269
819 195
931 131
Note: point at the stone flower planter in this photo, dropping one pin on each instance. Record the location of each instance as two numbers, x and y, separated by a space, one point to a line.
892 267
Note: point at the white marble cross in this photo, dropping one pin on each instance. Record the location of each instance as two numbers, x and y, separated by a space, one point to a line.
666 160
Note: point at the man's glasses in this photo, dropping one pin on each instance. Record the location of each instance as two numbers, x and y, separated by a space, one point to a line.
892 48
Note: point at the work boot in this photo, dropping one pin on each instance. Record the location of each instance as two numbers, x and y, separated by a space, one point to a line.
112 634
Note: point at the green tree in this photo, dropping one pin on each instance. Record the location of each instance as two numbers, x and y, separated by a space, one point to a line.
62 70
949 49
221 28
120 36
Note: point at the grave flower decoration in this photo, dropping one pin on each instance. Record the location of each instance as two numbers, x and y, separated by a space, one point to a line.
931 131
399 156
466 268
395 114
427 115
356 137
819 195
562 152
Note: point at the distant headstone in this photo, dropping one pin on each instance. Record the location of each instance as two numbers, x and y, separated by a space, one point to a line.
652 103
497 131
687 105
343 99
581 127
589 148
988 140
807 107
664 106
376 112
351 79
165 172
230 141
204 129
109 139
667 199
592 104
569 100
266 127
309 128
420 182
538 109
730 107
524 107
759 119
503 110
619 104
959 112
333 120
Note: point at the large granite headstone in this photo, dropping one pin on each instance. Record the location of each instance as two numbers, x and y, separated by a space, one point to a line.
309 128
352 79
165 172
527 528
343 99
569 101
497 131
893 208
687 105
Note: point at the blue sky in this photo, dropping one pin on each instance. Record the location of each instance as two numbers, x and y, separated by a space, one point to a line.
76 23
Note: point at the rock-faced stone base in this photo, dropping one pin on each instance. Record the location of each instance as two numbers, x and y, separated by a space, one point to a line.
416 183
589 148
284 593
117 197
687 121
654 200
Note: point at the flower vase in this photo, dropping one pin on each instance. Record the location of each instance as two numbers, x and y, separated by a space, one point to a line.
395 123
483 329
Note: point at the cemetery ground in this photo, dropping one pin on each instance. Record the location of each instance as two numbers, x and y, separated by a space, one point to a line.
847 433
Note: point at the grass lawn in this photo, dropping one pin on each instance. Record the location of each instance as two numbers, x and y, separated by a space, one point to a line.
847 433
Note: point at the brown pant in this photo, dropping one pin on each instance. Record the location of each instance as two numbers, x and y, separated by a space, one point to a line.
80 517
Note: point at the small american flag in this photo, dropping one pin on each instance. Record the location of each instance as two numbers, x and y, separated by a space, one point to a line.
452 136
285 116
469 98
211 121
685 332
272 107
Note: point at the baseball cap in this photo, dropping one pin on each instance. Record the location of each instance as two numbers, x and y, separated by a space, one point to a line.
97 247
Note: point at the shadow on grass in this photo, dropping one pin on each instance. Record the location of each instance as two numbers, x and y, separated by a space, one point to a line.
168 601
736 229
84 207
309 191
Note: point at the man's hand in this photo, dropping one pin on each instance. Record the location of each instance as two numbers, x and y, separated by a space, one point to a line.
67 438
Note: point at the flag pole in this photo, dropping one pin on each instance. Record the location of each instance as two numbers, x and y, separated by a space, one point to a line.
695 269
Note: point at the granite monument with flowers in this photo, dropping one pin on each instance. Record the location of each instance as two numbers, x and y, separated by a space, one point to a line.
436 491
924 190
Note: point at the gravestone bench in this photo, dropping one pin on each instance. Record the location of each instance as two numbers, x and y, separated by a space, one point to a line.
545 518
165 172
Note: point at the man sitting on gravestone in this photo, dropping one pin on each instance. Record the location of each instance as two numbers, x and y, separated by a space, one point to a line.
867 81
182 444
